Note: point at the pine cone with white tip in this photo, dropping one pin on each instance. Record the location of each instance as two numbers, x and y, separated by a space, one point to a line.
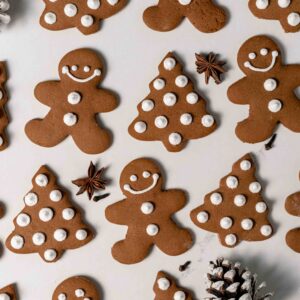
4 7
231 281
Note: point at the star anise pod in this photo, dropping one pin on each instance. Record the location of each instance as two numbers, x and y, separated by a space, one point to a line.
210 65
92 183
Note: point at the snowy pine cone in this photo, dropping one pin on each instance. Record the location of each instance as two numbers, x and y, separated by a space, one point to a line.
229 280
4 7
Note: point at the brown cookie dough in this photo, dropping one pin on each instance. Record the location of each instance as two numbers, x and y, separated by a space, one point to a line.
49 223
3 101
205 15
77 287
85 15
268 88
75 101
173 112
8 293
165 288
236 211
147 211
287 12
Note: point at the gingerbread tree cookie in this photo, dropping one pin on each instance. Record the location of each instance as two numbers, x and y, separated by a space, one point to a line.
287 12
49 223
236 211
85 15
75 101
165 288
173 112
3 100
76 288
292 206
205 15
147 211
8 293
268 88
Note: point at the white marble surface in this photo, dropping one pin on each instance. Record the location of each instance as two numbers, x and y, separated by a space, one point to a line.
132 53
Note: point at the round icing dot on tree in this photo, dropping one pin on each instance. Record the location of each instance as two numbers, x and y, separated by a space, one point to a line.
226 223
230 239
294 19
87 20
93 4
275 106
270 85
70 10
38 238
46 214
207 121
74 98
186 119
147 208
55 195
159 84
50 18
252 55
202 217
1 140
261 207
68 214
262 4
263 51
161 122
133 178
175 138
81 234
140 127
192 98
284 3
79 293
4 296
184 2
216 198
146 174
240 200
17 242
179 295
23 220
163 284
232 182
169 63
147 105
60 235
245 165
50 255
181 81
70 119
112 2
255 187
62 297
170 99
41 180
152 229
31 199
247 224
266 230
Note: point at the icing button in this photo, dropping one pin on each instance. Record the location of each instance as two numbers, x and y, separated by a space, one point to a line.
147 208
41 180
50 255
161 122
216 198
159 84
230 239
93 4
294 19
113 2
74 98
70 10
152 229
262 4
192 98
163 284
175 139
170 99
181 81
50 18
79 293
232 182
179 295
284 3
202 217
140 127
169 63
147 105
207 121
270 85
70 119
184 2
87 21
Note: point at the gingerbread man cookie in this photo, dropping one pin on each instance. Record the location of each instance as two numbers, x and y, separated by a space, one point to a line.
49 223
85 15
76 288
147 211
205 15
75 101
3 100
268 88
287 12
236 211
8 293
173 112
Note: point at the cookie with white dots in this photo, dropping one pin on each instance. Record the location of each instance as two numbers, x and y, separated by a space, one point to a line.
9 293
236 211
3 101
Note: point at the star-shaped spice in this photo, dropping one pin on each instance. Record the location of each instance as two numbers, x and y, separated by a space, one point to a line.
210 65
92 183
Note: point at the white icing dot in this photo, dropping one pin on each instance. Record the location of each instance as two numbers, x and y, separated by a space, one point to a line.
240 200
31 199
87 21
186 119
62 297
261 207
38 238
17 242
4 296
226 223
255 187
216 198
161 122
266 230
50 18
175 138
60 235
147 208
140 127
184 2
247 224
180 295
74 98
1 95
264 51
192 98
284 3
55 195
232 182
1 141
112 2
93 4
252 55
68 214
146 174
181 81
169 63
70 10
294 19
207 121
202 217
79 293
86 69
81 234
159 84
275 106
23 220
133 178
230 239
152 229
163 284
74 68
245 165
270 85
147 105
41 180
50 254
262 4
70 119
46 214
170 99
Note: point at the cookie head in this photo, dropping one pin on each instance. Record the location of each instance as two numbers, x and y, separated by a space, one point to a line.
259 54
82 66
140 177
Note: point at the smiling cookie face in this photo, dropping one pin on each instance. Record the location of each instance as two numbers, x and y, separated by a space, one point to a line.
81 66
139 177
259 55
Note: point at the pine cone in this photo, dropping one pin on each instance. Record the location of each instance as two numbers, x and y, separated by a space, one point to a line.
229 280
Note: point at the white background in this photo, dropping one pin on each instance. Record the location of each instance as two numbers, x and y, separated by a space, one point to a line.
132 53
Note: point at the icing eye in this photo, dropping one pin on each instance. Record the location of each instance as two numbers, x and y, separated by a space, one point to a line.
146 174
252 55
87 69
74 68
264 51
133 178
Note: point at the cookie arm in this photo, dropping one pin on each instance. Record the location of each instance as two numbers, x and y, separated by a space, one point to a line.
239 91
48 92
105 101
118 213
174 199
